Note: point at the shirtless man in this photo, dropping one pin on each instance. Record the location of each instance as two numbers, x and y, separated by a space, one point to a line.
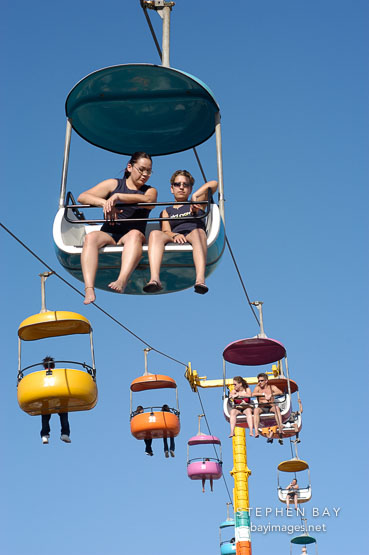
265 397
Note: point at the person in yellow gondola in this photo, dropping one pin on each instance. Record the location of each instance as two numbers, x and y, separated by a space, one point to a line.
240 395
181 231
131 189
292 493
49 364
265 394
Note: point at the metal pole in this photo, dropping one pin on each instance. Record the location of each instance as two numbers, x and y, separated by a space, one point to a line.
218 140
146 350
166 37
44 277
259 305
92 351
241 504
63 186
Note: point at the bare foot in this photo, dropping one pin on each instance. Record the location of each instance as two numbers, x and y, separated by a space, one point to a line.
117 286
231 435
89 295
251 434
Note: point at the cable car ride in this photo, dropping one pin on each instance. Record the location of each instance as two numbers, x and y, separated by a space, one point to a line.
140 107
152 422
258 351
55 390
255 351
204 468
304 540
294 465
228 546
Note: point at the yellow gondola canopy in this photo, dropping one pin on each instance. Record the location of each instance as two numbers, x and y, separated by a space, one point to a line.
153 381
53 324
293 465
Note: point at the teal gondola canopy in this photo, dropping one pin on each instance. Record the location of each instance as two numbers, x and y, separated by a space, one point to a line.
142 107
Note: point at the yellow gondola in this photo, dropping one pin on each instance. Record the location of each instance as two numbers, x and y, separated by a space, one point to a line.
55 390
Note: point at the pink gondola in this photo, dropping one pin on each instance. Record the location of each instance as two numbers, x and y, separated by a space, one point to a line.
204 468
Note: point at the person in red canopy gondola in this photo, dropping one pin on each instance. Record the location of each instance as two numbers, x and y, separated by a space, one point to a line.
181 231
129 190
265 394
240 395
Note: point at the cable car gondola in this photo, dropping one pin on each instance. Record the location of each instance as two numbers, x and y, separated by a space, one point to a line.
152 422
294 465
139 107
204 468
60 389
227 546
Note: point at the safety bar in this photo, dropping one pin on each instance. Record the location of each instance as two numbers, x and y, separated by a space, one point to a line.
151 409
87 367
81 218
205 459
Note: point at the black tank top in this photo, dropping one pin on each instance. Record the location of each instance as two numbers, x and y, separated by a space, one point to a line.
129 211
178 226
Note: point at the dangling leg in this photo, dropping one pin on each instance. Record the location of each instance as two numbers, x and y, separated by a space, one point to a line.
257 412
157 241
65 429
211 484
197 238
232 420
89 260
131 255
45 428
249 419
203 485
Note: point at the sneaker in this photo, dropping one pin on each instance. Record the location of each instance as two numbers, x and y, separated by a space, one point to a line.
45 440
149 453
280 441
172 453
270 440
166 453
65 438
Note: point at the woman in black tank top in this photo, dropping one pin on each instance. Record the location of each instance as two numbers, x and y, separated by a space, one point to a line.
181 231
107 194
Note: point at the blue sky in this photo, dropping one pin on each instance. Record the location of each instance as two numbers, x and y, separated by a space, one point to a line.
291 78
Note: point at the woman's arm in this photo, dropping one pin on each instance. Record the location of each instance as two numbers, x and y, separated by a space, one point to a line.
96 196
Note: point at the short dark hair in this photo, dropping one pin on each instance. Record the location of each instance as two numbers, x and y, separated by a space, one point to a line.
262 375
185 173
48 362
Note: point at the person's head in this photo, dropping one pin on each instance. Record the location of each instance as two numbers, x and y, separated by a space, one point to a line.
139 408
48 362
139 167
303 550
293 482
262 379
165 408
240 383
181 184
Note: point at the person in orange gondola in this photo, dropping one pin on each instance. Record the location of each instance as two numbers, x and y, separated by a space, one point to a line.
181 231
148 442
49 364
241 397
292 493
129 190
